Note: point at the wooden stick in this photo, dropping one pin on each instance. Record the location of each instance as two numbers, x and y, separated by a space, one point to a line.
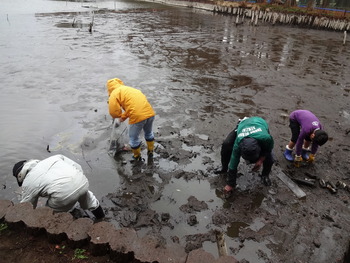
220 240
291 185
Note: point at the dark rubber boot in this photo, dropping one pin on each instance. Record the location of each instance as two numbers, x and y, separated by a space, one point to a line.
220 171
266 180
305 155
98 212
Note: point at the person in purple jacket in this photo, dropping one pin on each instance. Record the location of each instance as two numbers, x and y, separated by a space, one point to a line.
306 129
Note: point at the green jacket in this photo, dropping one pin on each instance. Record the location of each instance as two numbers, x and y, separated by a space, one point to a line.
253 127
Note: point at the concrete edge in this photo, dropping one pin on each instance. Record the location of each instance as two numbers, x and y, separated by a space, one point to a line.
101 238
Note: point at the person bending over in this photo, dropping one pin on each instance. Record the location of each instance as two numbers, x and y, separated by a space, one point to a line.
130 103
306 130
252 141
60 180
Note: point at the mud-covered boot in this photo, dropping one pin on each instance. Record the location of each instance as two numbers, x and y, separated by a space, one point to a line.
136 155
288 154
223 169
220 171
150 148
98 213
266 180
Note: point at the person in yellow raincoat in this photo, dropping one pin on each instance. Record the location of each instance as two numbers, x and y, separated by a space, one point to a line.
129 103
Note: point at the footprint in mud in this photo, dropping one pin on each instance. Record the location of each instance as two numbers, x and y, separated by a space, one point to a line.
241 80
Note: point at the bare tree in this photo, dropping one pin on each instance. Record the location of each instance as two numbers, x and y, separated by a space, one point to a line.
325 3
310 3
289 3
279 2
342 3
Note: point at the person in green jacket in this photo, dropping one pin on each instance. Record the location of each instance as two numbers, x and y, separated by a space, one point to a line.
252 141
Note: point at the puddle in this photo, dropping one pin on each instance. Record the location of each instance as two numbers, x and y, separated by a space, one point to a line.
252 251
233 229
257 224
257 200
176 193
199 71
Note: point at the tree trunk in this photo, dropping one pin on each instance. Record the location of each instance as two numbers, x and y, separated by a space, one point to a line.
325 3
290 3
287 3
310 4
279 2
342 4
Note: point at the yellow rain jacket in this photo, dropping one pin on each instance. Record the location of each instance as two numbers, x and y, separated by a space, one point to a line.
127 102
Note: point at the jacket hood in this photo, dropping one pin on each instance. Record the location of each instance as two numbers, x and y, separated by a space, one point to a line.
112 84
29 165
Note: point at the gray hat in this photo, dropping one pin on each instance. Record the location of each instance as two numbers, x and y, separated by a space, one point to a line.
250 149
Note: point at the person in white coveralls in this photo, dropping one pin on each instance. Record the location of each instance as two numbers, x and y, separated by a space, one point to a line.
59 179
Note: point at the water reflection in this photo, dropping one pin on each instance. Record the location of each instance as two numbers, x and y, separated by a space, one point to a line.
233 229
200 71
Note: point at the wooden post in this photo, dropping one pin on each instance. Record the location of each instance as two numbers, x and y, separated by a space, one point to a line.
291 185
220 240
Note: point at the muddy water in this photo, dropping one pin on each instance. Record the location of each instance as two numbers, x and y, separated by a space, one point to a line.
200 72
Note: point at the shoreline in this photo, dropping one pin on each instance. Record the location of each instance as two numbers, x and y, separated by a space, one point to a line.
256 14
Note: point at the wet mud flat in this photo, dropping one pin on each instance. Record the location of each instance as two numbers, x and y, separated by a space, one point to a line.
201 73
270 221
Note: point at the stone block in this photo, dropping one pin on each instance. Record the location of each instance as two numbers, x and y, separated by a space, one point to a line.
200 256
122 244
153 249
57 226
77 232
100 235
16 214
226 259
38 219
4 205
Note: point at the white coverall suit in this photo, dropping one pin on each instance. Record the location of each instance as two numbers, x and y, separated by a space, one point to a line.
61 180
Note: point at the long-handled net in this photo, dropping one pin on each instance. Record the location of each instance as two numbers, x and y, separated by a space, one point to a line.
118 140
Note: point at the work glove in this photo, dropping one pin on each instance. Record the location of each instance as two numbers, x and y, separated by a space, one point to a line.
297 160
228 188
227 192
311 158
257 165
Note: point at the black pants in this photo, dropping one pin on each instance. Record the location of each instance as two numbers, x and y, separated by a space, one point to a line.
226 149
295 129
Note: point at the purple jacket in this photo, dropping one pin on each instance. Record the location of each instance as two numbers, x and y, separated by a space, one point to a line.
308 124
